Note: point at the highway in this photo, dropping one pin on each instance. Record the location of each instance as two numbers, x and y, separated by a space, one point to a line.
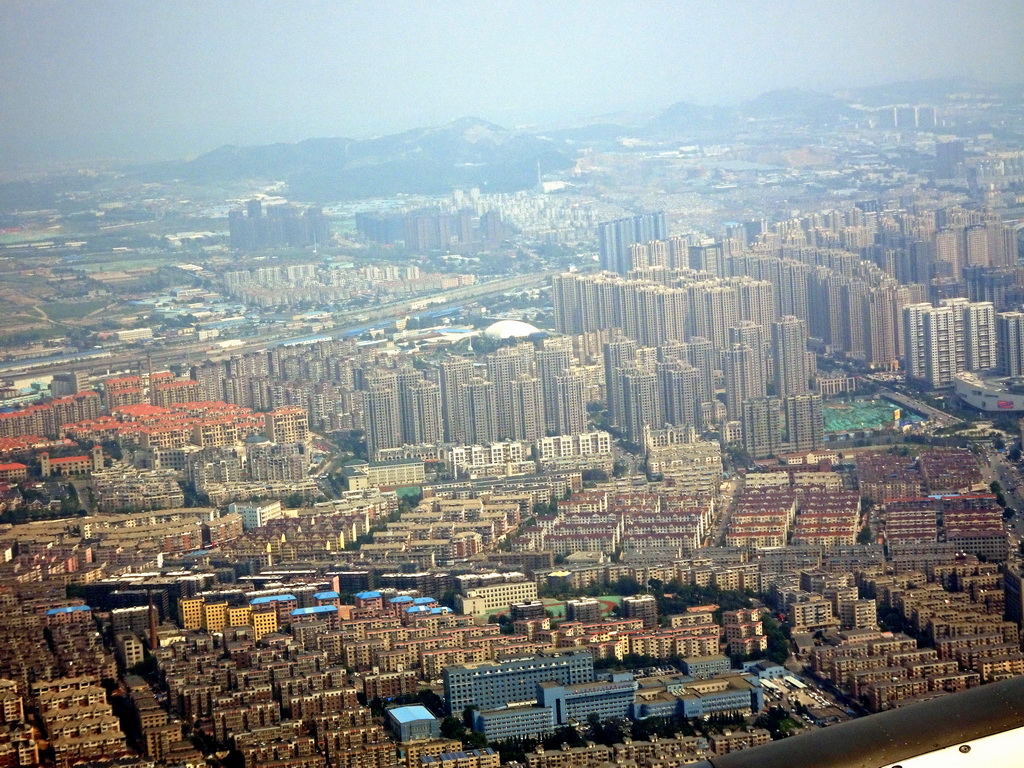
345 322
997 467
939 418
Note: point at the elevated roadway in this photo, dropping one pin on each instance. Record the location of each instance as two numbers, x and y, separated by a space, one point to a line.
345 322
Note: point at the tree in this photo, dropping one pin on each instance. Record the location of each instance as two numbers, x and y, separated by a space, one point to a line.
864 536
452 728
778 640
564 735
626 586
997 489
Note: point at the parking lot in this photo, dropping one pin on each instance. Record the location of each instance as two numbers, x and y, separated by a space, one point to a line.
810 705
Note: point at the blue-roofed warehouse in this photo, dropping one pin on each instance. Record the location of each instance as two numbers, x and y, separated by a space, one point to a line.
67 609
414 722
271 599
315 610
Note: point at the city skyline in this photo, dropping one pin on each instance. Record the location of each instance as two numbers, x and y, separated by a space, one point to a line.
115 79
639 442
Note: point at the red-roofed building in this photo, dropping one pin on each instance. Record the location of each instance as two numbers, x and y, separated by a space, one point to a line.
14 445
13 471
71 465
122 391
173 392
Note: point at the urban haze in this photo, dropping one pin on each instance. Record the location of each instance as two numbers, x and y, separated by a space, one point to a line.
542 385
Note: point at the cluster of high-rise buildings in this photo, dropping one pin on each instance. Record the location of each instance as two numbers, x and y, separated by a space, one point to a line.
616 239
328 284
430 230
471 221
522 394
277 226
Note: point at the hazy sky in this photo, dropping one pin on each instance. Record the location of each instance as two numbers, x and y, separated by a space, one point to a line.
167 78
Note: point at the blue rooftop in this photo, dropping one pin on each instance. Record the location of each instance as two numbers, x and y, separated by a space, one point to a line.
329 595
411 713
68 609
424 600
271 599
367 595
416 609
440 609
314 610
400 599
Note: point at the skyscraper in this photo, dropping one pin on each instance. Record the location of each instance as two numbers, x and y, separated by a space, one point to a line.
527 409
979 320
453 375
949 252
949 159
744 378
481 410
678 393
652 313
639 393
701 355
990 284
707 257
1010 326
615 238
718 310
756 301
424 425
761 419
756 337
852 296
405 379
617 354
570 403
551 363
789 357
503 368
883 319
931 343
804 422
383 417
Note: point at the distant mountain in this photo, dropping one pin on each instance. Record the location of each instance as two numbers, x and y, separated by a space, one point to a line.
597 132
795 103
466 153
917 91
684 117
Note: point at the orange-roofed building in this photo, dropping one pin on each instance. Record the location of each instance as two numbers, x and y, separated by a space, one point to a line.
124 397
201 423
287 425
140 412
71 465
123 390
27 443
173 392
13 471
116 383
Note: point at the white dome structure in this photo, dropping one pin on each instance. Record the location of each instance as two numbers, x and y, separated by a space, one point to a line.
509 329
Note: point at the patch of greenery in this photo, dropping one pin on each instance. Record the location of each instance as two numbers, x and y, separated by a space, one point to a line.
76 310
